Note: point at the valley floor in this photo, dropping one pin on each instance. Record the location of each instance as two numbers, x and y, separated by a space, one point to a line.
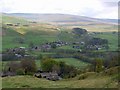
33 82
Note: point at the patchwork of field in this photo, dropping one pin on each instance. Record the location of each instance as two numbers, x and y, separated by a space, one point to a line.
40 37
40 33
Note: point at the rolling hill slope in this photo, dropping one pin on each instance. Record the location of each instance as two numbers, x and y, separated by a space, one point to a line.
47 32
61 18
70 21
13 35
11 19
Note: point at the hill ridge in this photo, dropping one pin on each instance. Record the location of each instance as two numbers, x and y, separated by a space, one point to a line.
58 17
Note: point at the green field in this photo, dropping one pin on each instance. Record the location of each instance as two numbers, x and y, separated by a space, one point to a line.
12 37
73 62
70 61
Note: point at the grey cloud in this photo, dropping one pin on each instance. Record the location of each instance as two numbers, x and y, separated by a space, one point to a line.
108 0
111 4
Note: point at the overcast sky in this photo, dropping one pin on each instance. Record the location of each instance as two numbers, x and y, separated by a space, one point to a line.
90 8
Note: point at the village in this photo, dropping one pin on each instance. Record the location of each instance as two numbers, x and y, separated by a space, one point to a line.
78 46
21 53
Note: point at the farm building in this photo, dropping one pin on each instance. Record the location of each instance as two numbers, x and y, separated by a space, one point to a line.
8 73
50 76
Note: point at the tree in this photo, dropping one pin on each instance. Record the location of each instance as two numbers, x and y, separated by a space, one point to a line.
15 67
79 31
28 65
12 66
53 45
40 56
47 64
64 70
114 61
62 66
56 68
67 71
98 41
98 65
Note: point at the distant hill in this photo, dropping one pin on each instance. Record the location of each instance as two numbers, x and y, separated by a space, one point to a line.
51 22
11 19
13 35
47 32
61 18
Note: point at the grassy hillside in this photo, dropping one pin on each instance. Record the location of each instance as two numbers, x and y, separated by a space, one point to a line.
61 17
44 32
11 19
11 41
94 81
70 21
9 38
94 27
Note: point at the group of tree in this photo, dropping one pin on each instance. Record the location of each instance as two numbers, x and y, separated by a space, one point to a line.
79 31
64 70
24 67
100 64
112 60
97 41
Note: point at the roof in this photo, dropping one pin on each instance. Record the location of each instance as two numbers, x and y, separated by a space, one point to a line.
45 74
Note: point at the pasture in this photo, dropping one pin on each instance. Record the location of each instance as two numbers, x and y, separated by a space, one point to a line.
73 62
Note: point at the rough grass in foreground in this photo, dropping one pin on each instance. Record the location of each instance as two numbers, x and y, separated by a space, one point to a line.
33 82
